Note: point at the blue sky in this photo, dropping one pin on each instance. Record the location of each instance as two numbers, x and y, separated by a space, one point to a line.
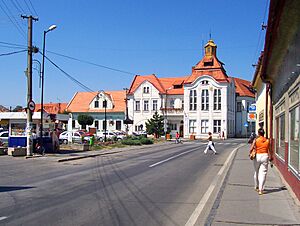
162 37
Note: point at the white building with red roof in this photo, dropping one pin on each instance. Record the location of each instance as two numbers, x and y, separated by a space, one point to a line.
202 102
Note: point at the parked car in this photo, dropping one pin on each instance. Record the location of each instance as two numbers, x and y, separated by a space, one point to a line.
139 133
76 136
109 135
4 137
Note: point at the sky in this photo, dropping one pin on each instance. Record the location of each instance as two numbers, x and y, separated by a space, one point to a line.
102 45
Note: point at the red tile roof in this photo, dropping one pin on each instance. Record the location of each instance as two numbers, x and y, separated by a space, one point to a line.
243 87
81 101
214 69
52 108
163 85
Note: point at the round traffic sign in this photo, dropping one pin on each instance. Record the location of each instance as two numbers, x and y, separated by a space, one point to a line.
31 105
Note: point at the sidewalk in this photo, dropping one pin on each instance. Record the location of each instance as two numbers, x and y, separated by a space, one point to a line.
239 204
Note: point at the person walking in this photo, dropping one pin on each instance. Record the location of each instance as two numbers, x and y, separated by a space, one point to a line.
210 145
177 138
260 162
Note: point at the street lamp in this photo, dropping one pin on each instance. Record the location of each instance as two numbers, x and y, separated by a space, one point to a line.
51 28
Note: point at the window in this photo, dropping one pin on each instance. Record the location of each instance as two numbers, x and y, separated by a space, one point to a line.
146 89
192 126
172 102
204 100
172 126
217 126
217 99
280 135
205 82
97 124
204 126
118 125
294 140
146 105
154 105
193 100
104 125
137 105
104 104
96 104
239 106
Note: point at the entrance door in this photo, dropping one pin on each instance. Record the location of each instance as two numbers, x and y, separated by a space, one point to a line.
181 130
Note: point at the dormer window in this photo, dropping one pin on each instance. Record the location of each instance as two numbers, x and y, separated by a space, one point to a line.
177 86
96 104
205 82
146 89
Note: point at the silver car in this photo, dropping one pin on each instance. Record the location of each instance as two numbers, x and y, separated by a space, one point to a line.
4 137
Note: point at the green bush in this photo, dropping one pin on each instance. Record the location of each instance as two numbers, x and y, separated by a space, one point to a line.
146 141
131 142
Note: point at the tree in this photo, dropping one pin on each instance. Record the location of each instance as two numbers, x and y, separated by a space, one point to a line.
85 120
155 125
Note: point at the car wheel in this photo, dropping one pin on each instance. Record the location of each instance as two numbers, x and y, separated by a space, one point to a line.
100 139
65 141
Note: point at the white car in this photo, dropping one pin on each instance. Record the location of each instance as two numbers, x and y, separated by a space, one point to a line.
76 136
4 137
109 135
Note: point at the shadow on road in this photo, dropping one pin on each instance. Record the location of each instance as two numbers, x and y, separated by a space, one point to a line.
11 188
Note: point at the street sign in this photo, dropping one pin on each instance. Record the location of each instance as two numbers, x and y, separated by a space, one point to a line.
246 124
251 117
31 105
252 108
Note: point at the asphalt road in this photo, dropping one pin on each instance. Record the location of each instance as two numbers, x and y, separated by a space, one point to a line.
157 185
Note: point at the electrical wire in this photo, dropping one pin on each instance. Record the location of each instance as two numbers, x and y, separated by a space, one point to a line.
260 33
18 9
68 75
11 53
13 44
17 2
91 63
33 8
28 7
19 28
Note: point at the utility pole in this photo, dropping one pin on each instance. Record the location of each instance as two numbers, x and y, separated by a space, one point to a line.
29 84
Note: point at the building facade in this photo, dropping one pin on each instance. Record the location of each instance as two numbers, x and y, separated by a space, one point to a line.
202 102
277 82
107 109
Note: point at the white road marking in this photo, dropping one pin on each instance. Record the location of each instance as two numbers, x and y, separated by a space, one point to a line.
193 218
173 157
3 218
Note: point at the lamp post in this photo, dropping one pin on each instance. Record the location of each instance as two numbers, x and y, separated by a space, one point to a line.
51 28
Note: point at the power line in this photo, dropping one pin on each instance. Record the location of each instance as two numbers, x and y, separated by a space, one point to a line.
28 7
13 44
91 63
19 28
69 76
17 2
18 9
33 8
11 53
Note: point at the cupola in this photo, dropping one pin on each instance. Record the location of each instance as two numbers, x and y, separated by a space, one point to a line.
210 48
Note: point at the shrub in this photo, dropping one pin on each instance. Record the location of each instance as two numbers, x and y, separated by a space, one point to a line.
131 142
146 141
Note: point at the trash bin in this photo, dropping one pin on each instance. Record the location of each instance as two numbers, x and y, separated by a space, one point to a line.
168 136
192 137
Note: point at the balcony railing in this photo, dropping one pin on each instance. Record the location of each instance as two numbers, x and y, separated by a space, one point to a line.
171 111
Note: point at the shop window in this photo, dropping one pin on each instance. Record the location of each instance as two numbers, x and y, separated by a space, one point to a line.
204 126
280 135
217 126
192 126
18 129
294 142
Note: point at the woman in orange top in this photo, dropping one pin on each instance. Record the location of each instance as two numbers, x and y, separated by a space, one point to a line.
261 144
